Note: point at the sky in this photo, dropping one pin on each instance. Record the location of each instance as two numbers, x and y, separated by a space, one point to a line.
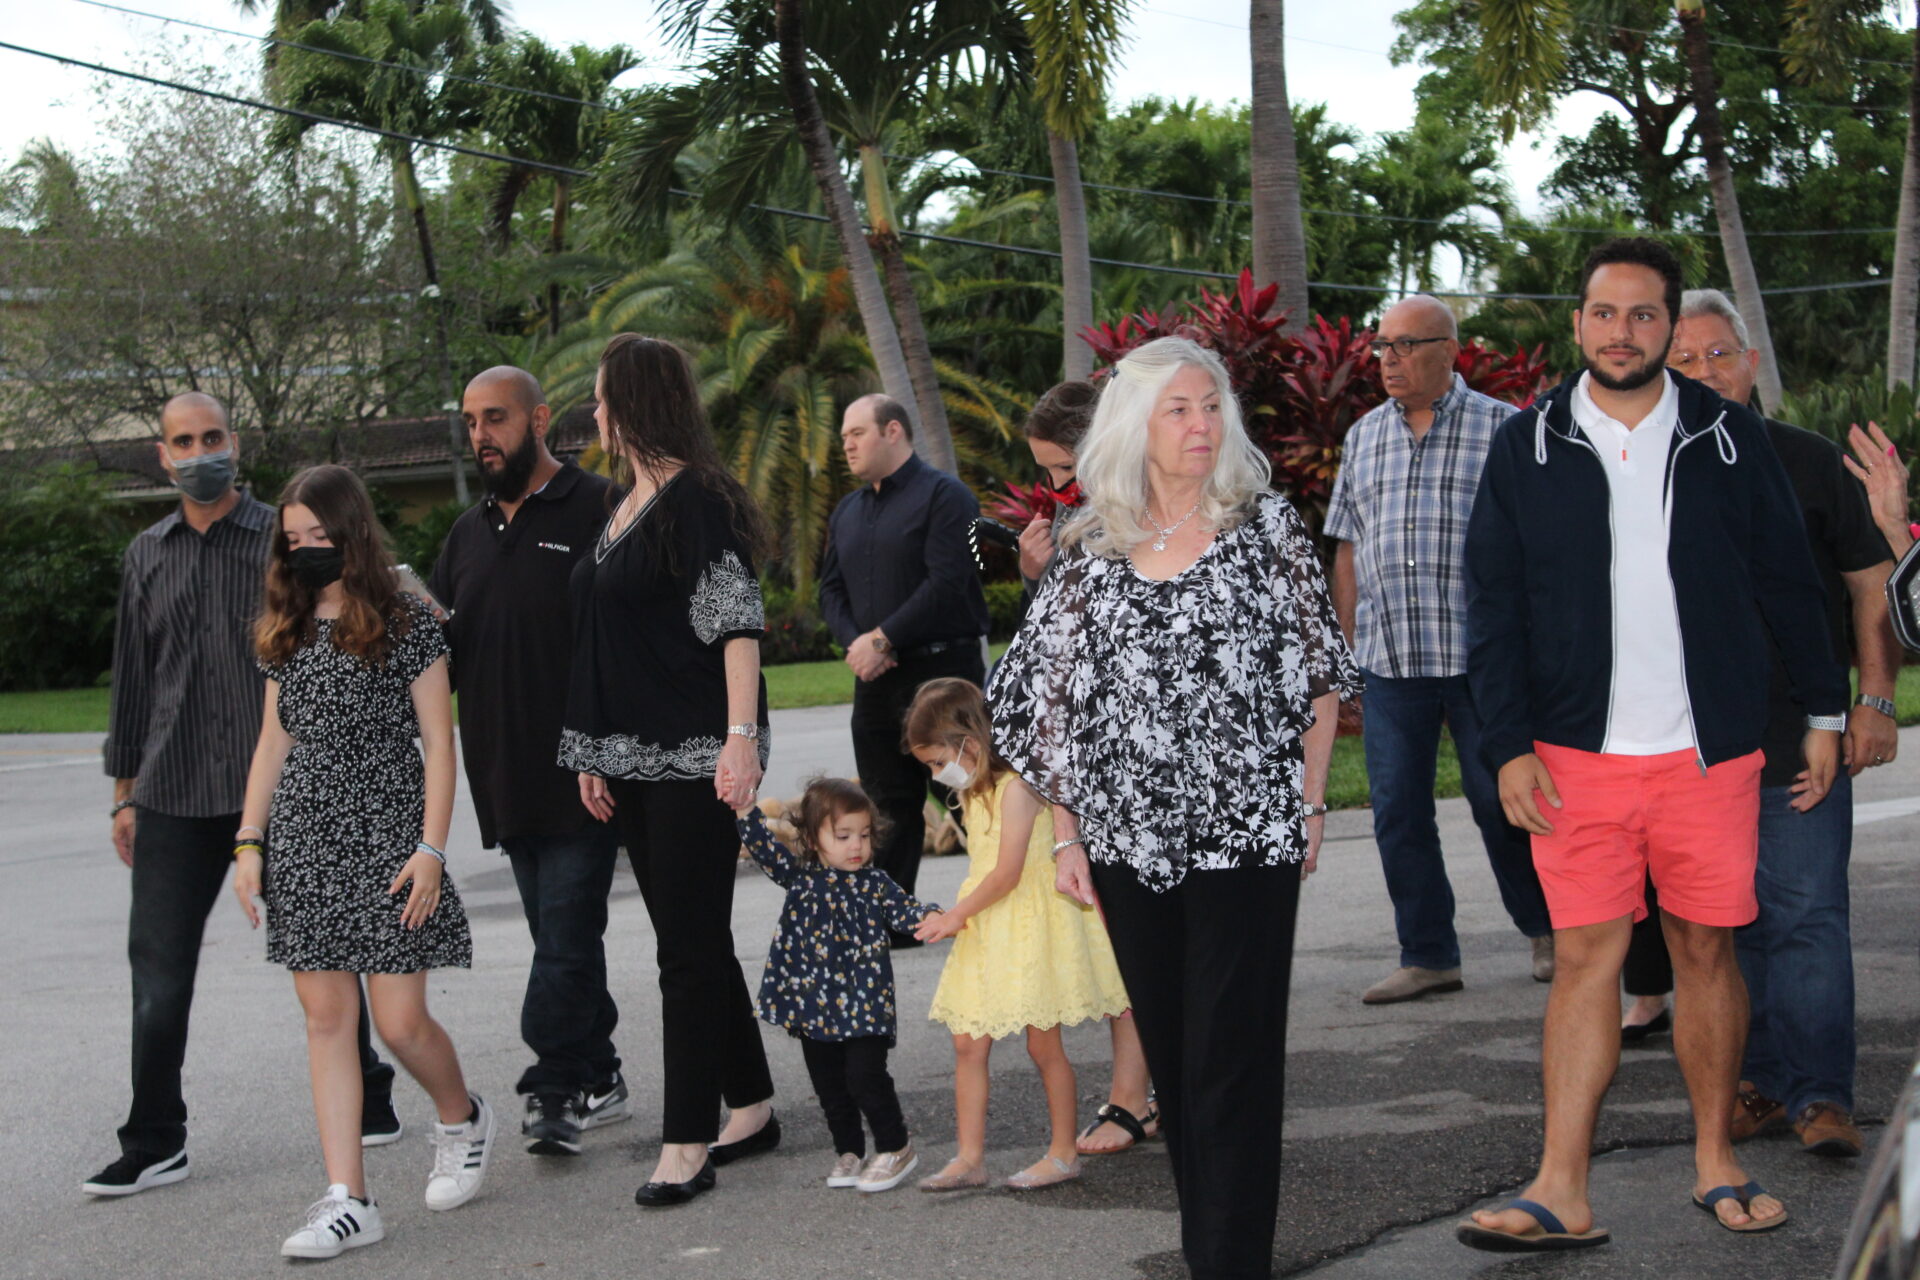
1336 53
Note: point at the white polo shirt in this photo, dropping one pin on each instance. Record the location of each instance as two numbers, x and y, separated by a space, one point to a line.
1648 712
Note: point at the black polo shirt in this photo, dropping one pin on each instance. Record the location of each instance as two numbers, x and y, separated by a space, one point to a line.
898 559
512 635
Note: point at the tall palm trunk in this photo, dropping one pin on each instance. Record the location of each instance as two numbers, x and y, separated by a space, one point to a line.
1726 202
557 244
1906 244
1279 235
409 183
882 337
932 438
1076 265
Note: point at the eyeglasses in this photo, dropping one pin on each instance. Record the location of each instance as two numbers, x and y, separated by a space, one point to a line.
1718 356
1402 347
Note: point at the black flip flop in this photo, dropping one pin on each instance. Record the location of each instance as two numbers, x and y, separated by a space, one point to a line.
1744 1195
1549 1236
1122 1118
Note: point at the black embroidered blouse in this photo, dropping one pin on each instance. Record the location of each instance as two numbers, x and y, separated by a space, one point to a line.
652 611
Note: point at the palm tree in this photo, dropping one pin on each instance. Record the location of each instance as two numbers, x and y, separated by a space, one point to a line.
1074 42
395 97
1279 232
553 124
290 16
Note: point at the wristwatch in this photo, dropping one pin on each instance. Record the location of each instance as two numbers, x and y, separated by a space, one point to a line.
1833 724
883 644
1883 705
118 806
751 732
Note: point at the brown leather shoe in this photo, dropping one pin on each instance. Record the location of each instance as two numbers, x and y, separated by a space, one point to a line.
1827 1130
1754 1113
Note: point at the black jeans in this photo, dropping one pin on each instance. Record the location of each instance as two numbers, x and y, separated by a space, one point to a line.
897 782
1207 965
179 867
568 1016
684 848
850 1078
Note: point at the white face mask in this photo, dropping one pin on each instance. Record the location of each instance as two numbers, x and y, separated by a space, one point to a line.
953 776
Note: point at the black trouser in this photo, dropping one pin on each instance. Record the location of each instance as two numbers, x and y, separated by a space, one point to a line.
684 847
850 1079
568 1016
179 867
1648 970
1207 965
889 773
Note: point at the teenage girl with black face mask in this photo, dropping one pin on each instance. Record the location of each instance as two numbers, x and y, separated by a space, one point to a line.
344 835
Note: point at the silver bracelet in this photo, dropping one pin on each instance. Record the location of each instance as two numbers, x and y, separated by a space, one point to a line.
1832 724
1320 810
1061 844
424 847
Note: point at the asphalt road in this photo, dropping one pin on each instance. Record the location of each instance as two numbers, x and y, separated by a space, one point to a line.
1398 1120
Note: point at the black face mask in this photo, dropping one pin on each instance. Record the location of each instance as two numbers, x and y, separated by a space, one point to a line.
317 568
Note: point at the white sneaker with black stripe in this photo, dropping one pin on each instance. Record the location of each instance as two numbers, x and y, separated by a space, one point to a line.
336 1222
460 1156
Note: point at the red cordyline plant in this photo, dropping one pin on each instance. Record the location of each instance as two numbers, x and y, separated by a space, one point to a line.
1299 393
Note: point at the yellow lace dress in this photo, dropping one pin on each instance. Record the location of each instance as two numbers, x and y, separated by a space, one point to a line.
1036 958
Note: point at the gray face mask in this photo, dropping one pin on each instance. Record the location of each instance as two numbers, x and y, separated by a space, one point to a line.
207 478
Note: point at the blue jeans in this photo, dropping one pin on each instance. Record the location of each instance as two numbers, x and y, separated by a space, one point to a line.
1402 741
1797 957
568 1016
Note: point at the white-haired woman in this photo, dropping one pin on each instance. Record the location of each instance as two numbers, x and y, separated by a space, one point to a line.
1174 694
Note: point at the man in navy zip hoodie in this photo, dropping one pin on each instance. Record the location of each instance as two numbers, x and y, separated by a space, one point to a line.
1634 558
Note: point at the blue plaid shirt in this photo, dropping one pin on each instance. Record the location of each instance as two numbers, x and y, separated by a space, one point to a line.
1404 504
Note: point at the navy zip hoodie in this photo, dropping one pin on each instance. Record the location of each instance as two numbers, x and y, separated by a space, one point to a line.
1539 561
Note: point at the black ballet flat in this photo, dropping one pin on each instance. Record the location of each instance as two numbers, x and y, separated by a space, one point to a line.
766 1138
659 1195
1662 1021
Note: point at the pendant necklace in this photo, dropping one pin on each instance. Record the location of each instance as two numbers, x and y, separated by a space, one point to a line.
1160 543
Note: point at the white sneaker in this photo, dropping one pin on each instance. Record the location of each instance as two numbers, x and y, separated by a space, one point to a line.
460 1156
336 1222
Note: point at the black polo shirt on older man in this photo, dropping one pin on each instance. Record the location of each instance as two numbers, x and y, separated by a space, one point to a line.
512 635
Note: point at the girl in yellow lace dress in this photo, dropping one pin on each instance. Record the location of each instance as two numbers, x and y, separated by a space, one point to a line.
1024 957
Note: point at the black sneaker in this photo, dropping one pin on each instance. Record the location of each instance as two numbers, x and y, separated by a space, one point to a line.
130 1175
379 1122
606 1103
552 1126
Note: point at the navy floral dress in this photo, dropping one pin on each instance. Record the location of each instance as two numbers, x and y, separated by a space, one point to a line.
830 971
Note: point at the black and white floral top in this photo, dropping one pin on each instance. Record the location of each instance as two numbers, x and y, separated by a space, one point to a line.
653 610
830 970
1167 715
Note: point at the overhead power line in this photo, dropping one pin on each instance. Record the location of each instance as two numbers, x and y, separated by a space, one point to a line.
805 215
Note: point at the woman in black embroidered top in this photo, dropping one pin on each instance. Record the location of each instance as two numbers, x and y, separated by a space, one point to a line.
1174 691
667 727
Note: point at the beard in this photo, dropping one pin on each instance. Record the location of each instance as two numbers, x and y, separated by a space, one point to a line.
507 480
1633 380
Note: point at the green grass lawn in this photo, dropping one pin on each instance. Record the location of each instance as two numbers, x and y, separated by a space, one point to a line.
805 684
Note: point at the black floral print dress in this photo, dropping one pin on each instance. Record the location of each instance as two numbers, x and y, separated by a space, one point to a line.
1167 715
830 971
348 810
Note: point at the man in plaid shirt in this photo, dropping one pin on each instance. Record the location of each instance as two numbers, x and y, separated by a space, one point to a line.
1400 506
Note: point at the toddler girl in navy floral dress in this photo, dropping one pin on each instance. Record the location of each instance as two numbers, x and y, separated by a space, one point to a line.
829 978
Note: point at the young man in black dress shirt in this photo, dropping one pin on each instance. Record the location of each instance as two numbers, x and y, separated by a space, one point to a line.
900 592
186 708
503 573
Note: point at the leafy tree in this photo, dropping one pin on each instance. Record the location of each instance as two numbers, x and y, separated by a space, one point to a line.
60 543
1432 177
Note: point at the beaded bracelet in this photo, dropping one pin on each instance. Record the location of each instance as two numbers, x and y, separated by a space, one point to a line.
424 847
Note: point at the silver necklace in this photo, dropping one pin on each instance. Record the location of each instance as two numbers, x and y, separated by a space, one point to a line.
1160 543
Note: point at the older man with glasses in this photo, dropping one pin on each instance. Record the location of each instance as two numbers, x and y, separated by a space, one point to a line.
1400 506
1797 958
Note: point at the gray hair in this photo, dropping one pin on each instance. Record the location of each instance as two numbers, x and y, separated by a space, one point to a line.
1111 464
1712 302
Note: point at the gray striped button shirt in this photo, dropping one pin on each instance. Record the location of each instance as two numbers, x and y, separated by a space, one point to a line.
1404 504
187 697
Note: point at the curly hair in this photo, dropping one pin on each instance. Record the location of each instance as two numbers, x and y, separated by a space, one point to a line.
824 801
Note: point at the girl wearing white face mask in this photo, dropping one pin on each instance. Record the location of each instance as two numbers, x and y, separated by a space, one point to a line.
1025 957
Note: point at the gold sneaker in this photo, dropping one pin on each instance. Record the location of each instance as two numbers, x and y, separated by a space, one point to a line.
846 1171
887 1169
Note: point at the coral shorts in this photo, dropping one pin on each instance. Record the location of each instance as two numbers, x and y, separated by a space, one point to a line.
1626 817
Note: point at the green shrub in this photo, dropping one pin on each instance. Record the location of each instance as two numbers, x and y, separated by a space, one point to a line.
60 543
1006 605
795 630
417 545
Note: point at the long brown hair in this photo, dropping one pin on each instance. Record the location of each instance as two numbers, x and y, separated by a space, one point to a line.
945 713
1063 415
825 800
370 617
653 408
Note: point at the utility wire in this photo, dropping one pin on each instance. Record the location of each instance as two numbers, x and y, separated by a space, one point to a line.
805 215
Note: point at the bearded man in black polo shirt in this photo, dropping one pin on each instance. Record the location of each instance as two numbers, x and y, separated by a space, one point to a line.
899 590
503 573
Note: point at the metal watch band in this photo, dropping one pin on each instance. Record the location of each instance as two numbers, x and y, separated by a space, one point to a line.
1833 724
751 732
1883 705
118 805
